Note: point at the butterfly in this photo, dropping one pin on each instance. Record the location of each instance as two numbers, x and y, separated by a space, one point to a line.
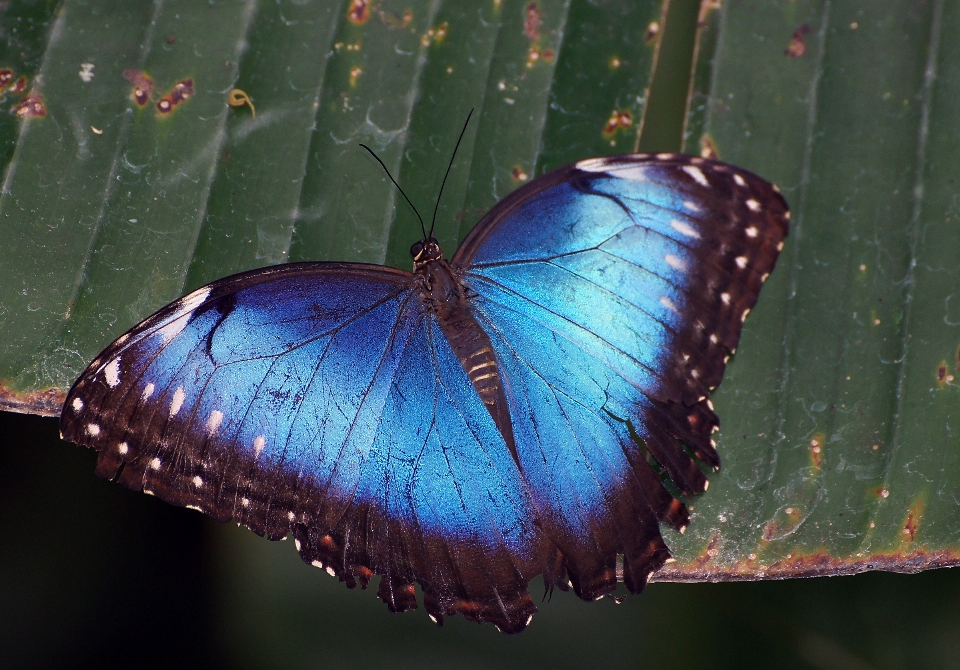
515 411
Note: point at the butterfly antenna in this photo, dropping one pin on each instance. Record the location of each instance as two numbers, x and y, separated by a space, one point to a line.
422 227
437 205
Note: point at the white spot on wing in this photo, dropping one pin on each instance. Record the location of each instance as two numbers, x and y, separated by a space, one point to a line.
740 180
714 339
77 404
291 516
214 421
123 448
245 502
741 261
178 397
697 174
753 205
675 262
751 231
725 298
184 308
331 571
593 165
93 429
666 302
112 372
258 444
190 302
147 391
684 229
155 464
172 329
692 206
197 481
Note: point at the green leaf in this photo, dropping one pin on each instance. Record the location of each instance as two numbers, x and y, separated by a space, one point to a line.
841 412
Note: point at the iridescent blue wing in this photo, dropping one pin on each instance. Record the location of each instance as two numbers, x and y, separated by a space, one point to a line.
321 399
613 291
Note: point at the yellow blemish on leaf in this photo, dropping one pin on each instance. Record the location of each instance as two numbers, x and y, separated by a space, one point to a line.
239 98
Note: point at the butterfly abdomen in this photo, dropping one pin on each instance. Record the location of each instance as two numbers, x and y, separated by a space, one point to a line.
470 343
472 347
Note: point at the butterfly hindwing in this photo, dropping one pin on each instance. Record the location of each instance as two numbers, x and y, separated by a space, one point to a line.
616 288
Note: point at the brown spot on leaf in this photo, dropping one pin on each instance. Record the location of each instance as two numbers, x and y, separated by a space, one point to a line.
912 523
142 85
618 119
708 149
798 44
182 90
910 528
532 22
710 552
652 31
393 20
435 34
816 450
32 105
943 375
359 11
19 86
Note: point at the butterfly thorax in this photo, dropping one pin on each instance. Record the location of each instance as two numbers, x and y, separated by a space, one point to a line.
449 299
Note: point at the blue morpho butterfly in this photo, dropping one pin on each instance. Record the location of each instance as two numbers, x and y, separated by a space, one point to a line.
510 413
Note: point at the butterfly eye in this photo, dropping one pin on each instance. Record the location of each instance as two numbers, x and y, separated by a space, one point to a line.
416 250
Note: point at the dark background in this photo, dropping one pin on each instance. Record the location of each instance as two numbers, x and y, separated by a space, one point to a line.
94 575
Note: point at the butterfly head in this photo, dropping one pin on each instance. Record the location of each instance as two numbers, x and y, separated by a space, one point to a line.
424 252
